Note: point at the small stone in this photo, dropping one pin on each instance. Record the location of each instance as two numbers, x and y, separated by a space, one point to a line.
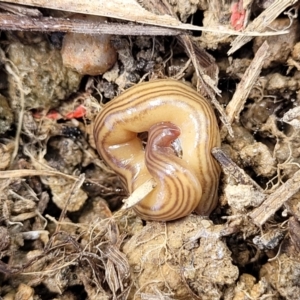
88 54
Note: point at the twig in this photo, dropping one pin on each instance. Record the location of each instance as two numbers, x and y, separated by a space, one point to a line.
231 168
240 96
262 213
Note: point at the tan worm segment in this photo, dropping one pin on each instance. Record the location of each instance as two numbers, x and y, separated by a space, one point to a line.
167 110
178 188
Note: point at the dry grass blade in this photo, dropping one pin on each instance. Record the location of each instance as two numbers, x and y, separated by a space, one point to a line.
24 173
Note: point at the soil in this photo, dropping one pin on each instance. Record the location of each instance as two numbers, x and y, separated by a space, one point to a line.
62 232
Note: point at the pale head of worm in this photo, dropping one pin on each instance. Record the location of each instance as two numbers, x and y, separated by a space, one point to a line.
167 110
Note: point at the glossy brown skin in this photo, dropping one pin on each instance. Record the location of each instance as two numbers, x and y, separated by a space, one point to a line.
167 109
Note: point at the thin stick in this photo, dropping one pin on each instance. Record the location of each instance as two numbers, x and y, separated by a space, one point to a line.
262 213
231 168
240 96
